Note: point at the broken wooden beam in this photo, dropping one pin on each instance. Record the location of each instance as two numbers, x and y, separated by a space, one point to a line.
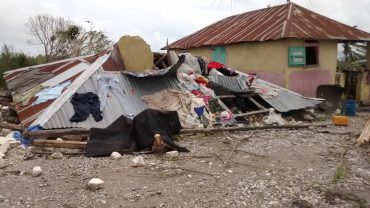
11 126
56 132
365 135
59 144
247 128
256 103
225 96
252 113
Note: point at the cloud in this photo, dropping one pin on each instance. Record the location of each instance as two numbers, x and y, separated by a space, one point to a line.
156 21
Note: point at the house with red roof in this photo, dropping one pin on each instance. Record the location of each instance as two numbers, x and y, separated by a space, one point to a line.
287 45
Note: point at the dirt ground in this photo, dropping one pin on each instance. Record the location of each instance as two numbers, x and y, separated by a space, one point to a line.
315 167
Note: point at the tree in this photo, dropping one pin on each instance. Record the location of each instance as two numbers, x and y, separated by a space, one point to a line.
13 60
354 51
61 38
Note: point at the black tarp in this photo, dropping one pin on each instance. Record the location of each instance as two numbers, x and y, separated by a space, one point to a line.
125 134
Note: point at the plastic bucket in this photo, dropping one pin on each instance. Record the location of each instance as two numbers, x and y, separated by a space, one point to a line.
350 107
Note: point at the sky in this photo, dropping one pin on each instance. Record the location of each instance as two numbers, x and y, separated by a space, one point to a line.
155 21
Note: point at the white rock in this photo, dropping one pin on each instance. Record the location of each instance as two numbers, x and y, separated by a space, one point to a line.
115 155
138 161
57 155
95 184
36 171
4 147
230 171
172 154
274 118
59 139
5 108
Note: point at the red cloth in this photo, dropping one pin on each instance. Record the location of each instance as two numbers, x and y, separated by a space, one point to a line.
215 65
201 81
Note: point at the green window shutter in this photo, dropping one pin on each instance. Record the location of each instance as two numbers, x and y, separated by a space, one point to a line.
297 56
219 54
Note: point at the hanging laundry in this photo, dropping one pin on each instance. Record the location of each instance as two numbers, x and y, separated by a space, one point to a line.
109 86
83 105
50 93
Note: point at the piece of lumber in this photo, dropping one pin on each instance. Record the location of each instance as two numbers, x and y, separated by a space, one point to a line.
75 137
11 126
59 144
252 113
256 103
56 132
226 96
365 135
247 128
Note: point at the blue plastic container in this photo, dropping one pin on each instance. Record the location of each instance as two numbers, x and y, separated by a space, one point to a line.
350 107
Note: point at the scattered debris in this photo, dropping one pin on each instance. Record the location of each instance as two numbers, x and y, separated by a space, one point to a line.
95 184
36 171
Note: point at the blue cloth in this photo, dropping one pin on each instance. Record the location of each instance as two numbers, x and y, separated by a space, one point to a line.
51 92
26 141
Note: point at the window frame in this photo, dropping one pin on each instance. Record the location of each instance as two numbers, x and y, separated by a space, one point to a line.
307 43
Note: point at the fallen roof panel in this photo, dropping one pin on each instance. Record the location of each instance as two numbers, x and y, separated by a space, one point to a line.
133 87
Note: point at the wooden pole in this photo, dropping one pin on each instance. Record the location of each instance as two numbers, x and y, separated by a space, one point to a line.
56 132
59 144
11 126
252 113
247 128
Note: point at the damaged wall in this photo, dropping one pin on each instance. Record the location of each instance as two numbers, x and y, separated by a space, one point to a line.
136 53
269 60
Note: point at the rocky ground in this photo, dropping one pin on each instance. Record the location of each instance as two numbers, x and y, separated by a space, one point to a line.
315 167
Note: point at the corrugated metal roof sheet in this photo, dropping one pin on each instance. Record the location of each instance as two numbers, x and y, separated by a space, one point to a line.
24 80
134 87
283 100
283 21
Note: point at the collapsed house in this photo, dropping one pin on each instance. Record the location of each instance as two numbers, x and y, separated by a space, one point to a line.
99 93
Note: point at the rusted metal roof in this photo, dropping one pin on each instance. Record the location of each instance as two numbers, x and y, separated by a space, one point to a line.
284 21
23 81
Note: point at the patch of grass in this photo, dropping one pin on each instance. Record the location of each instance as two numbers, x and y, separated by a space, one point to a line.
340 173
177 137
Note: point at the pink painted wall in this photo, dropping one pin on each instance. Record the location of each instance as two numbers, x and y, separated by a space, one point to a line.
273 77
306 82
